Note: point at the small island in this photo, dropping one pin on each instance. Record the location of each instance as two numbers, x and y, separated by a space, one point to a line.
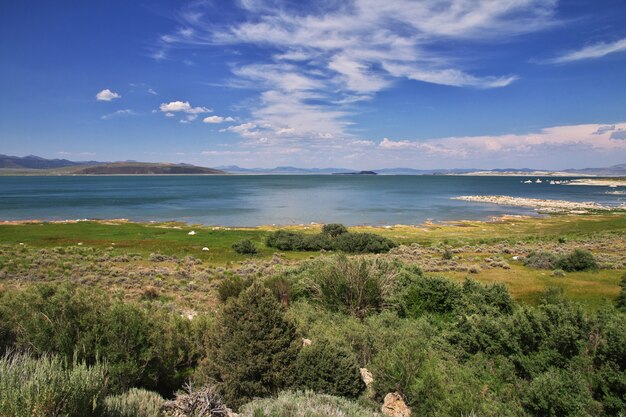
356 173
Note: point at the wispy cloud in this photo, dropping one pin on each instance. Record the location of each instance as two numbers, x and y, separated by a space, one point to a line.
119 113
596 50
590 137
548 146
318 63
107 95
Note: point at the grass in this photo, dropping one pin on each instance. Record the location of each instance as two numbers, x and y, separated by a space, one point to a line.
592 289
193 285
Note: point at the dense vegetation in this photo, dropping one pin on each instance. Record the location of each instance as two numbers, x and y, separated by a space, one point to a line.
448 348
333 237
276 338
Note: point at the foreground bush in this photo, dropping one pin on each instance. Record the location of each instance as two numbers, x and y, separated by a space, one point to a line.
355 286
147 347
560 392
251 348
50 386
133 403
328 368
304 404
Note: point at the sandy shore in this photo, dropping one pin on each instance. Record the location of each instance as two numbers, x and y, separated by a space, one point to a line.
548 206
600 182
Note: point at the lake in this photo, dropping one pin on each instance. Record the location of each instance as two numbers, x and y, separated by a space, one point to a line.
254 200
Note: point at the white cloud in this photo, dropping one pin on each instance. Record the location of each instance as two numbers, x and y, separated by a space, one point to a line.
151 91
589 137
320 63
217 119
182 106
124 112
107 95
597 50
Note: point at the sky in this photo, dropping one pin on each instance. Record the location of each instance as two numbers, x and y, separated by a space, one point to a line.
360 84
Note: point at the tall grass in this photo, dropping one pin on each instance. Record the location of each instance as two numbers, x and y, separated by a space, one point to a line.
49 386
134 403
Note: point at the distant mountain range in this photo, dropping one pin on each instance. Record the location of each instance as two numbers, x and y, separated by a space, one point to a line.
36 162
34 165
38 165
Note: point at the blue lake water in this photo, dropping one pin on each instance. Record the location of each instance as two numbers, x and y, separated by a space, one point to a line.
275 199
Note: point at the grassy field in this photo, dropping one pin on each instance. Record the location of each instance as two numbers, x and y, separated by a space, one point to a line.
485 251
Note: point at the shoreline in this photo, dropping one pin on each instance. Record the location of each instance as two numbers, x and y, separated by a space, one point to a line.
313 225
542 205
600 182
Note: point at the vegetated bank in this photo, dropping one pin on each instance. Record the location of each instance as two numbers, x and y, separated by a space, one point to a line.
292 335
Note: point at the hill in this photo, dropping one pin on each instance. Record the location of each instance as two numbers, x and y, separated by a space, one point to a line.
143 168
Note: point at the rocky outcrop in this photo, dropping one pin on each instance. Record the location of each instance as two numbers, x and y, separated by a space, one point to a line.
394 406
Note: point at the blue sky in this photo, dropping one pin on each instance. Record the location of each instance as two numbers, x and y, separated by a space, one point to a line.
360 84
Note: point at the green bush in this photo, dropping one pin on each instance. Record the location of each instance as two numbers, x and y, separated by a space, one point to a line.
560 393
232 286
304 404
363 243
148 347
50 386
356 286
327 368
610 362
620 303
578 260
345 242
133 403
334 229
251 347
443 296
541 260
245 247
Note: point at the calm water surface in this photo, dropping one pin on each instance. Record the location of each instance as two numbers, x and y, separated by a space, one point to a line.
275 199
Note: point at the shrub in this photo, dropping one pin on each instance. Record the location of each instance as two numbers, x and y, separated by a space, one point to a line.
148 346
559 273
559 392
354 286
345 242
578 260
251 347
50 386
304 404
334 229
327 368
232 286
363 243
447 255
541 260
621 299
245 247
433 295
413 369
133 403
